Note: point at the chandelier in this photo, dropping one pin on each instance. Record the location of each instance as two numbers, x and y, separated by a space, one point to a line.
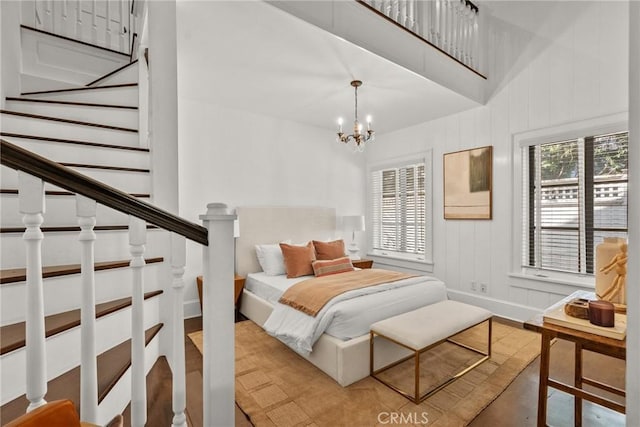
358 137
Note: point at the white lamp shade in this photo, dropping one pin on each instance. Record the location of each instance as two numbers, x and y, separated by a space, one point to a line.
353 222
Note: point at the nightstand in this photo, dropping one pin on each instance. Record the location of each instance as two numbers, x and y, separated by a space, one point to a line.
238 283
239 286
362 263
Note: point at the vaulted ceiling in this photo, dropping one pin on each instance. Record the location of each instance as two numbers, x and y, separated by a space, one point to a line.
251 56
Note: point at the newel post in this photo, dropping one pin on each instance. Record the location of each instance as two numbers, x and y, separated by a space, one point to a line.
218 317
31 200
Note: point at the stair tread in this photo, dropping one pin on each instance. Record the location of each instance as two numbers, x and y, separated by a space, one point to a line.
73 141
13 275
75 89
67 193
104 167
67 121
12 337
79 104
112 364
71 228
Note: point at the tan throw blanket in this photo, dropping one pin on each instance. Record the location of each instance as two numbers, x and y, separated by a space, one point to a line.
309 296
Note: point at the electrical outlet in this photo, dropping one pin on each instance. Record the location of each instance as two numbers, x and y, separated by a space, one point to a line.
474 286
484 288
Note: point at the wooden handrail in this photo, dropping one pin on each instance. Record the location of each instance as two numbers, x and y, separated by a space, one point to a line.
20 159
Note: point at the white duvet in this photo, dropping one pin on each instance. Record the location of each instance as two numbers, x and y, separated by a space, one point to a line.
351 314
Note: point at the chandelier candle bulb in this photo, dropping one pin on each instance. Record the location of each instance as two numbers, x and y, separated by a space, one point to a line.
340 124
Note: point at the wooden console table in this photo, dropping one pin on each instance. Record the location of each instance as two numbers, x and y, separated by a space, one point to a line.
583 341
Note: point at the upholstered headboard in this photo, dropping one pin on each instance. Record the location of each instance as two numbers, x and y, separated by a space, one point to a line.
265 224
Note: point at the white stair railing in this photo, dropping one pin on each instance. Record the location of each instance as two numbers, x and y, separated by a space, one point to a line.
216 238
137 240
104 23
31 200
86 212
450 25
218 361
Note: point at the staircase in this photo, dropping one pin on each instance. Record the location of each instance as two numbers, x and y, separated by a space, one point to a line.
91 287
92 129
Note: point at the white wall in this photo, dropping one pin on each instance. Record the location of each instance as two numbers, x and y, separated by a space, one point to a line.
570 65
245 159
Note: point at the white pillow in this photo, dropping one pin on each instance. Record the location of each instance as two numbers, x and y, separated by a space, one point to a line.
271 259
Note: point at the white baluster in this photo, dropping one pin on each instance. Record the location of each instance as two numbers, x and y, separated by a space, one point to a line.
137 240
86 212
78 20
107 37
475 50
178 261
94 25
402 12
395 10
66 28
123 38
218 317
434 23
31 201
411 16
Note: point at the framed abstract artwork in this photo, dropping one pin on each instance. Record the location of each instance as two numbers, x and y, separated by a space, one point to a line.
468 184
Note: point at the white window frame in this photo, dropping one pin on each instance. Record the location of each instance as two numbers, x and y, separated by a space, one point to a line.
569 131
418 261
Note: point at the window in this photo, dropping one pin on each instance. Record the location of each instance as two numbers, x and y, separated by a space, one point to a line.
574 195
400 210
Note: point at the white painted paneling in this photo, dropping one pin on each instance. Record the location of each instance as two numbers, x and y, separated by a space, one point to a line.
542 74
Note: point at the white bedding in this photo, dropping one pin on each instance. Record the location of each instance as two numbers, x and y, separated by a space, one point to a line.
348 315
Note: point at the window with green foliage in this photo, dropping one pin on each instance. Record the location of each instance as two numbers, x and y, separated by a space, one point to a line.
575 195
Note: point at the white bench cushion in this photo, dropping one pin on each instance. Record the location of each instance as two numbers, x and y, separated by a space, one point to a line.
427 325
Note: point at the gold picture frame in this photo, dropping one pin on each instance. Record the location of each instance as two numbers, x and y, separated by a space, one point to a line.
468 182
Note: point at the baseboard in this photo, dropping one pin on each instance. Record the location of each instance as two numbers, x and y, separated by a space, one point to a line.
506 309
192 308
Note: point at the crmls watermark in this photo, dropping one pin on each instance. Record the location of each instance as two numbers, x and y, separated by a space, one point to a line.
401 418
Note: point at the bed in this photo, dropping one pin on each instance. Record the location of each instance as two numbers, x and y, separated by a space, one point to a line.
341 345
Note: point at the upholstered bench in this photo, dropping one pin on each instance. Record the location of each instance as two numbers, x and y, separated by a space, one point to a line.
422 329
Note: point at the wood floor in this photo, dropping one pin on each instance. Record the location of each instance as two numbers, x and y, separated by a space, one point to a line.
516 407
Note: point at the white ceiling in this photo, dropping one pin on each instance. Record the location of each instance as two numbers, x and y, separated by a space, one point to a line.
252 56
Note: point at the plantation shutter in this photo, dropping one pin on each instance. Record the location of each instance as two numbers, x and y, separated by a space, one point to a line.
575 194
398 207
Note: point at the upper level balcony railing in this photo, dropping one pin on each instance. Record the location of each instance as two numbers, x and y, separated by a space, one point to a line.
451 26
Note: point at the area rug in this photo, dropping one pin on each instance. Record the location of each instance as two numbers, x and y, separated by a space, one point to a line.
277 387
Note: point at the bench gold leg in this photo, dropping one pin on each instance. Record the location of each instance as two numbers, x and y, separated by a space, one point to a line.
417 398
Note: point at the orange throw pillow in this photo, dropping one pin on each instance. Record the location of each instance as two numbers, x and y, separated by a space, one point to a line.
298 259
329 250
333 266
